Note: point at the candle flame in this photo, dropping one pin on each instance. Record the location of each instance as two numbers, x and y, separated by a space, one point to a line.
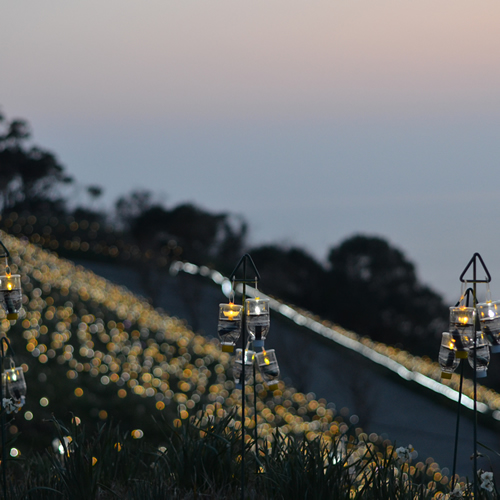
266 359
463 319
231 313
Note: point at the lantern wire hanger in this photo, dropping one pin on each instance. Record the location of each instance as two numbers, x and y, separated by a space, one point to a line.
231 294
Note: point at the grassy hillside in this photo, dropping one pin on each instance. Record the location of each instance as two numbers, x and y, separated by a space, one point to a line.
94 351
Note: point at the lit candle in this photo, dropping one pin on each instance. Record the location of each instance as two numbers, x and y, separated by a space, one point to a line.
258 320
268 367
489 319
462 328
10 294
229 327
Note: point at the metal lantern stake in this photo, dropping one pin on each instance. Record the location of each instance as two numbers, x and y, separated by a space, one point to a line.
466 342
244 263
12 383
250 323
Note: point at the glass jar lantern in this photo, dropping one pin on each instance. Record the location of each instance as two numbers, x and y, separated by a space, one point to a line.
268 367
10 294
238 367
462 328
448 360
482 351
258 320
229 327
489 319
15 384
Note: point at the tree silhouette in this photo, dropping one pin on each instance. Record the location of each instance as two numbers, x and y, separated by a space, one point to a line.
291 274
30 177
372 289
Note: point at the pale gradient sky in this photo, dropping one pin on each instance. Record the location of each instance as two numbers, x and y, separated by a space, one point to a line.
315 119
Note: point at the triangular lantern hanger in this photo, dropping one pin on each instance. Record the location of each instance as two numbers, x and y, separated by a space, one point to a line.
244 263
473 263
6 254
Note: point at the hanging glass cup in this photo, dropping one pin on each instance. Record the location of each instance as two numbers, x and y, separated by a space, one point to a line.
13 388
229 327
482 355
462 328
238 367
10 294
16 384
258 320
268 367
448 356
489 319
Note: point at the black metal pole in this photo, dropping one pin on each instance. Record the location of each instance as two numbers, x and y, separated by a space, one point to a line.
474 301
244 359
457 428
3 423
3 419
255 417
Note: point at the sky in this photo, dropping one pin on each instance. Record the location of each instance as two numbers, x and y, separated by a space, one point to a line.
313 119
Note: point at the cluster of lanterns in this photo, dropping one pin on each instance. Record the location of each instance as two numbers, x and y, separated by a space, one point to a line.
253 316
463 341
13 382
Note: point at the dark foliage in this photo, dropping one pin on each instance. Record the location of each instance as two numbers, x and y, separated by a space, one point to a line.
291 274
373 289
29 176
